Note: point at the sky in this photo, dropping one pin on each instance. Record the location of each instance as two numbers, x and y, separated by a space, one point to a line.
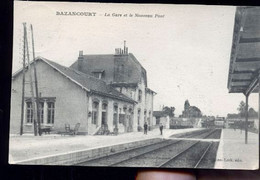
185 50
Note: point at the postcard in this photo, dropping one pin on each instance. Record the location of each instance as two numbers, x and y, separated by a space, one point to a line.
135 85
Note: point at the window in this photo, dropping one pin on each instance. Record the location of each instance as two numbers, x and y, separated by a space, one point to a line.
29 112
145 118
149 118
41 110
124 110
46 110
98 75
115 114
104 114
139 95
94 112
138 116
122 116
50 110
104 107
122 69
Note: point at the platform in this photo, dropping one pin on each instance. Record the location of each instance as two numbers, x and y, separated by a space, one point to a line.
28 147
233 153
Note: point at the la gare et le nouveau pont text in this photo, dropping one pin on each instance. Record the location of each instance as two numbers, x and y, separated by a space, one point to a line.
74 13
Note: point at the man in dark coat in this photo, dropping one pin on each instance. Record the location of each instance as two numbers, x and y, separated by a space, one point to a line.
161 128
145 127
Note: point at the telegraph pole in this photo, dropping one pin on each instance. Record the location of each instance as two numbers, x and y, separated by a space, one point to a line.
36 87
22 111
31 84
246 122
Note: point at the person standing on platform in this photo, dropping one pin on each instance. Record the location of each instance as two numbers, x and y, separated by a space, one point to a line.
145 127
161 128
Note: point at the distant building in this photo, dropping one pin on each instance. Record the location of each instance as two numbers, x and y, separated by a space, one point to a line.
162 117
235 120
220 122
191 111
101 92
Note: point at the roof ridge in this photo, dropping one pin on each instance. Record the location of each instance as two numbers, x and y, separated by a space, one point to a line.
98 54
59 68
77 72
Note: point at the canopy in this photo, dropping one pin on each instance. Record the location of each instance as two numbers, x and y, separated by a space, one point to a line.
245 54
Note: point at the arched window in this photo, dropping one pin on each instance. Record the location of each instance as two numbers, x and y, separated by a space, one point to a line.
145 117
104 113
94 112
130 118
138 116
139 95
115 115
149 119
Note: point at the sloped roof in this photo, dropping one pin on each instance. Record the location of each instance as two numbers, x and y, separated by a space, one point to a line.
87 82
245 55
104 61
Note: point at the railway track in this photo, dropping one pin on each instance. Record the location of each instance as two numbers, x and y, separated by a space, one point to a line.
167 153
204 134
191 157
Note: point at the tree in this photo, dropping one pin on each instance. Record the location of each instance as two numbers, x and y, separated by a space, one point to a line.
242 109
252 113
232 116
194 112
169 110
186 105
185 112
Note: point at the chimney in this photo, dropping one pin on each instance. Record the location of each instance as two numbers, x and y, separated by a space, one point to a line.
124 47
122 51
80 60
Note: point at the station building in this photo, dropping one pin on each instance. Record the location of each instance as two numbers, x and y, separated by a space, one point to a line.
101 92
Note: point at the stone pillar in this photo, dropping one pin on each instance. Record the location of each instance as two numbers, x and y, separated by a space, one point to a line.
142 117
135 119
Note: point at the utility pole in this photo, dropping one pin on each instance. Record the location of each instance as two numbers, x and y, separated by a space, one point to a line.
31 84
246 122
22 110
36 87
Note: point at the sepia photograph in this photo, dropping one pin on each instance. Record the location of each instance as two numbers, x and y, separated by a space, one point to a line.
135 85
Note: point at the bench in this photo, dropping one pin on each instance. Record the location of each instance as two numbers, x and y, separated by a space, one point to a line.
45 130
69 131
